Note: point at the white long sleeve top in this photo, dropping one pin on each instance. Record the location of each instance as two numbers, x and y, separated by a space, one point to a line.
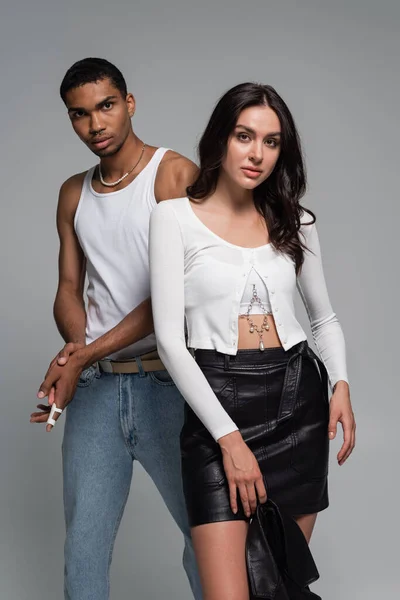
199 278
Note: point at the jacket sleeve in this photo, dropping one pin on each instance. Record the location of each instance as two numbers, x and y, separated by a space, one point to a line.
325 327
166 254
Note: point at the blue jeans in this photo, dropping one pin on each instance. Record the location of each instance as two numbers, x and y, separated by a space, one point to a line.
112 421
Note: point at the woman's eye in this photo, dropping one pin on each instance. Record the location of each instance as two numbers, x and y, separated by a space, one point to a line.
243 137
272 143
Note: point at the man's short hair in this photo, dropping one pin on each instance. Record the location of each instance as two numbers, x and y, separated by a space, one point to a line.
91 70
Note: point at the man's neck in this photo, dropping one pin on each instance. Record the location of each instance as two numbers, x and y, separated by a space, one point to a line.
114 167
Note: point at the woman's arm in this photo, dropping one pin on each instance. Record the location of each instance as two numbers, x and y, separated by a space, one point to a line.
166 253
167 294
329 339
325 327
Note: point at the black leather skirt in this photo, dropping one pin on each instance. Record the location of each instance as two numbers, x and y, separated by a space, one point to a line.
279 401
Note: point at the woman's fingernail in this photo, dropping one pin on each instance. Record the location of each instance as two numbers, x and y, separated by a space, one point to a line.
41 395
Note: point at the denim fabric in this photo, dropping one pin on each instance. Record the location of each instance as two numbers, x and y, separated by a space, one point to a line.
112 421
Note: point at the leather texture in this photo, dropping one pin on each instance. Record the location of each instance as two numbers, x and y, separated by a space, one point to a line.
279 401
279 562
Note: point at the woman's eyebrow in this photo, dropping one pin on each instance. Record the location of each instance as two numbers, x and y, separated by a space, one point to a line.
250 130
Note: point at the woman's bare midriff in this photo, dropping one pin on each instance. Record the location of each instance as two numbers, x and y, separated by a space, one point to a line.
249 340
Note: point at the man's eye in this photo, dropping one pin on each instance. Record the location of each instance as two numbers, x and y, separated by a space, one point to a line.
107 105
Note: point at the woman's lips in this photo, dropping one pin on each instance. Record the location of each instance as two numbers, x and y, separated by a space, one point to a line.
252 173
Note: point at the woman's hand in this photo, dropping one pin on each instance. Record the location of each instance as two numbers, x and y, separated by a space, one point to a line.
341 411
242 472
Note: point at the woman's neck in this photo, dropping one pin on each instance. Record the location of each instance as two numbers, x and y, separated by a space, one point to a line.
230 195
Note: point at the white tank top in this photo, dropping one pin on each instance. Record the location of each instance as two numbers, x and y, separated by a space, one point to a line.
113 231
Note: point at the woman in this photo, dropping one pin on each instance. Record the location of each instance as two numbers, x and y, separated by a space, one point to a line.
225 261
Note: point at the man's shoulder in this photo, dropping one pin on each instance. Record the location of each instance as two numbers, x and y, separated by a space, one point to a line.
175 173
69 196
172 157
174 163
74 183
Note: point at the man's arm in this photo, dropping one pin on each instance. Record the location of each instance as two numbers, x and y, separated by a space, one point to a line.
134 327
69 307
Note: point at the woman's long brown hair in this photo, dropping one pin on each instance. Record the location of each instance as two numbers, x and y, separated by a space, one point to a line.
278 197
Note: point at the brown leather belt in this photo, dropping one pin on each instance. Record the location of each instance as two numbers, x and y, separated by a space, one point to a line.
149 362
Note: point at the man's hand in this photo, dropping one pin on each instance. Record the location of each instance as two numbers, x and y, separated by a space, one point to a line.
62 357
59 385
342 412
64 371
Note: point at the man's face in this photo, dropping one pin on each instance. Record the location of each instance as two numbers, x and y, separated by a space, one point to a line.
100 116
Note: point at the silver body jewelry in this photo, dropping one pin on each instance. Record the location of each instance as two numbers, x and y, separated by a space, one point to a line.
252 326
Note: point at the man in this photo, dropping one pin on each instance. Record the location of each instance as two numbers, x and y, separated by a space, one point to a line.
126 407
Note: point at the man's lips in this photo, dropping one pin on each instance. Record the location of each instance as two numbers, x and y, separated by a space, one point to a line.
100 142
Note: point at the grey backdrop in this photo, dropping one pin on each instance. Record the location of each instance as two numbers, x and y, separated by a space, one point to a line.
336 64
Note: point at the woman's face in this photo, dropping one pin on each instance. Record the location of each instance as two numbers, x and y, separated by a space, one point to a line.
253 147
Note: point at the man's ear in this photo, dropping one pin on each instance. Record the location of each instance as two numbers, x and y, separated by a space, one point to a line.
131 104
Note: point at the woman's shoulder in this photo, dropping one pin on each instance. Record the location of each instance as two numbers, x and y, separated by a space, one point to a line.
306 219
307 223
173 206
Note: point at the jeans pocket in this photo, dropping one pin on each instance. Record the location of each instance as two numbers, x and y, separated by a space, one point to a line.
161 377
87 376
